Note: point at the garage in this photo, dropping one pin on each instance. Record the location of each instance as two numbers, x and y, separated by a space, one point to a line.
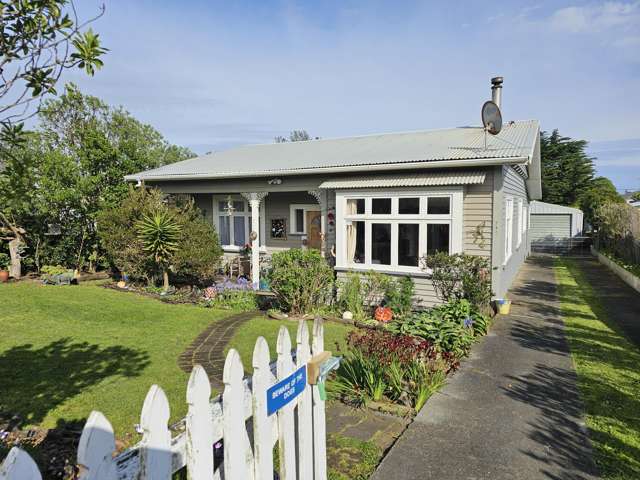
554 227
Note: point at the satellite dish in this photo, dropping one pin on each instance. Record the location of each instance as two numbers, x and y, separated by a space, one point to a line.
491 117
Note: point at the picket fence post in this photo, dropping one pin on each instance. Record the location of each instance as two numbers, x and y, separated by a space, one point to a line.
19 465
155 452
298 427
95 450
305 407
319 420
238 461
262 424
286 427
199 426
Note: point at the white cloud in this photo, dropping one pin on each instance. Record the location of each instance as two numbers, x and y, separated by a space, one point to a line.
597 18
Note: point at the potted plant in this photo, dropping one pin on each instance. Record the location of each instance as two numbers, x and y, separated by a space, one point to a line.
4 265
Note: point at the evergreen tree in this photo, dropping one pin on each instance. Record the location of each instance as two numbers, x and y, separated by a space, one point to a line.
567 170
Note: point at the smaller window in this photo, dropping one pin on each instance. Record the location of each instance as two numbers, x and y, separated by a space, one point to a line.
438 206
381 243
298 221
409 206
355 206
381 206
408 238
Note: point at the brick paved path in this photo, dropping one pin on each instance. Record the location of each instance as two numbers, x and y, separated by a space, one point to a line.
208 348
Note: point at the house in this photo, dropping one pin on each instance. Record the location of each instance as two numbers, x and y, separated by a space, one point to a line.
374 202
553 226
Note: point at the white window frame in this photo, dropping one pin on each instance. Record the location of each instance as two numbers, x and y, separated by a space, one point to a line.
246 214
520 222
306 207
508 228
453 219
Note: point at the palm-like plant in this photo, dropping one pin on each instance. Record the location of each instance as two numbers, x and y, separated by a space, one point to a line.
159 234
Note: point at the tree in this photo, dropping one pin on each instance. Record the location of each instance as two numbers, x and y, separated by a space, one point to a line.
600 191
159 233
72 167
39 39
635 196
294 136
567 170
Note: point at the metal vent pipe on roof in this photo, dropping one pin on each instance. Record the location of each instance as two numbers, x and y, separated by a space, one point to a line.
496 91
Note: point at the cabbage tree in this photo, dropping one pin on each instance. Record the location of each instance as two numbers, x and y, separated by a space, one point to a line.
159 233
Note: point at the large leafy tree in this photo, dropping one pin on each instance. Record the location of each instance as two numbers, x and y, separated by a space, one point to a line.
39 39
70 168
567 170
568 176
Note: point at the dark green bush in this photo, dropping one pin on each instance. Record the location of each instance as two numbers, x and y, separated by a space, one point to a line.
398 296
461 276
301 279
196 258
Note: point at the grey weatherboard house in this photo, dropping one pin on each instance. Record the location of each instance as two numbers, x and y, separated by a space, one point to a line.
376 202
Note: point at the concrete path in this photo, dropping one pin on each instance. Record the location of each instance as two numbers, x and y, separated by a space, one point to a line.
208 347
512 411
621 302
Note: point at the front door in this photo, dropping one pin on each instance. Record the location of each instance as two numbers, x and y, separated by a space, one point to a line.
314 229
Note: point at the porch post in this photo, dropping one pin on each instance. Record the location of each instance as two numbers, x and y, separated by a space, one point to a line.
321 198
254 199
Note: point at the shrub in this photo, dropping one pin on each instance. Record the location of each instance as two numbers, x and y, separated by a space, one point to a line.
159 233
301 279
238 300
198 253
400 368
460 276
360 291
450 327
5 260
53 270
399 296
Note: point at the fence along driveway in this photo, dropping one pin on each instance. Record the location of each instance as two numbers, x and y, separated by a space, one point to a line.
298 428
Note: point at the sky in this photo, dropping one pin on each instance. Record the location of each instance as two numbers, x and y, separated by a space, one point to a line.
211 75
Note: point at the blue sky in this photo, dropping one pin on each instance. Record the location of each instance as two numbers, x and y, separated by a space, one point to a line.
210 75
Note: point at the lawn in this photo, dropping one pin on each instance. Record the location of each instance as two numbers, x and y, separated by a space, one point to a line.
244 339
67 350
608 375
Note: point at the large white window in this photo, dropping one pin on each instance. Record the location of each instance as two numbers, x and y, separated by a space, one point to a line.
508 228
392 231
232 217
520 221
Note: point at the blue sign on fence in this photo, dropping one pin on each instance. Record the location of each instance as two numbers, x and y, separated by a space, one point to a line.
286 390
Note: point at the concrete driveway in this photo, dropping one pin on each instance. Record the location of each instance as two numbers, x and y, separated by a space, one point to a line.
513 410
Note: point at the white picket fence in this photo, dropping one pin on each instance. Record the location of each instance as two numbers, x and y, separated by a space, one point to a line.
299 428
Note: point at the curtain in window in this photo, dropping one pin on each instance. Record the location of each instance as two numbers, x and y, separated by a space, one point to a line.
352 209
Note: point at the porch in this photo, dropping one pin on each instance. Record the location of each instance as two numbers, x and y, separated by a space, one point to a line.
272 220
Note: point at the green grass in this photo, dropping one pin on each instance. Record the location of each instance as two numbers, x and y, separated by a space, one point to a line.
608 375
68 350
245 338
350 458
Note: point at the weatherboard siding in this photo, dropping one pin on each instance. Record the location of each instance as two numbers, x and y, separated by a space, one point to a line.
477 217
513 186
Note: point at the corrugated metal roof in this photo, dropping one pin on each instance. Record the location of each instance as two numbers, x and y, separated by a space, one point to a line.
408 180
543 207
516 140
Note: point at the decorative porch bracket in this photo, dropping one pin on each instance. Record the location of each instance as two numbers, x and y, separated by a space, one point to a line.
321 198
254 199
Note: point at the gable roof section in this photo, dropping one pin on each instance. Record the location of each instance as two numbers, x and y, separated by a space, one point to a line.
432 148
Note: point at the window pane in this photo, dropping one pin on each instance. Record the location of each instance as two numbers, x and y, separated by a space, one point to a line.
438 206
238 205
225 238
222 206
355 206
408 234
381 243
299 225
239 237
437 238
359 254
381 206
408 206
